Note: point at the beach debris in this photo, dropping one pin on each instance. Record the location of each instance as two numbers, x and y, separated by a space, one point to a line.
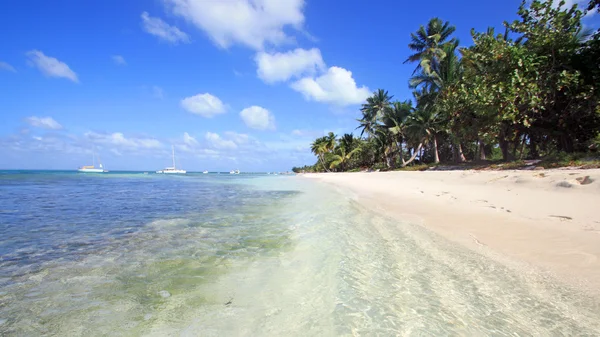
565 184
561 217
584 180
164 294
532 162
574 182
495 179
229 302
476 240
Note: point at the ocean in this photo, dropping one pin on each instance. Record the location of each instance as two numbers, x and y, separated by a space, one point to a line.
133 254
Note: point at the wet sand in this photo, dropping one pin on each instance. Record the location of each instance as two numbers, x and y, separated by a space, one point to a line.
544 221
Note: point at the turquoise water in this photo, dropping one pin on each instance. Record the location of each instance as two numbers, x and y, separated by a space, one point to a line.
129 254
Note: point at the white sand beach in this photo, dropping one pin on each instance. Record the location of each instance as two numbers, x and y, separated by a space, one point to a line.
546 220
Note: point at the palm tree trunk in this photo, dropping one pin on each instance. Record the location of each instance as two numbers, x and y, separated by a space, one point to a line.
461 155
482 150
401 152
415 153
323 163
522 147
435 150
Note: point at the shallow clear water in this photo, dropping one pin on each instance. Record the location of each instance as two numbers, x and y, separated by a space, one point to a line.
214 255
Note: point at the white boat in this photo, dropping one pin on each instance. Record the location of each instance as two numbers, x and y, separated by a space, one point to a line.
205 172
234 172
92 168
173 169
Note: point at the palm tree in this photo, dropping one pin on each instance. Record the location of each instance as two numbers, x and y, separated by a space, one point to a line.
431 88
422 127
387 144
342 157
427 43
441 75
394 121
376 106
319 148
330 141
348 142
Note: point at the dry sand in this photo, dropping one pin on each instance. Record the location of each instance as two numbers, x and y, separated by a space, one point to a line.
547 220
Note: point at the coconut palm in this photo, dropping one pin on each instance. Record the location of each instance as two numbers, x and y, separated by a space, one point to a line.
376 106
443 74
330 141
422 127
395 121
348 142
431 94
319 148
427 43
341 158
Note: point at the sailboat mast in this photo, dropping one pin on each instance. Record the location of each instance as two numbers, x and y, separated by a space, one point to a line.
173 147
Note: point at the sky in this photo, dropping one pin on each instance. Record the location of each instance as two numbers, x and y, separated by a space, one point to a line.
229 84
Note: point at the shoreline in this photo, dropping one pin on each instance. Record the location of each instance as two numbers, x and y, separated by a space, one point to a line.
546 221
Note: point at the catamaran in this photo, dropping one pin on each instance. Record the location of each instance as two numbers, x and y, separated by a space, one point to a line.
173 169
92 168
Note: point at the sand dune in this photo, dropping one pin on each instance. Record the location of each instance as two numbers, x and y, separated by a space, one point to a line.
545 220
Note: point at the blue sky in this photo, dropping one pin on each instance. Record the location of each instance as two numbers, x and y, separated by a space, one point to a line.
230 84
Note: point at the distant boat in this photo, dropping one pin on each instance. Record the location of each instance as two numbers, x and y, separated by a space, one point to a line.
173 169
205 172
234 172
92 168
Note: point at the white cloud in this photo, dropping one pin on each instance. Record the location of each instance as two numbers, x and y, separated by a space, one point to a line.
205 105
253 23
297 133
336 86
217 142
238 138
44 123
50 66
7 67
118 60
158 92
280 67
163 30
189 140
258 118
119 140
